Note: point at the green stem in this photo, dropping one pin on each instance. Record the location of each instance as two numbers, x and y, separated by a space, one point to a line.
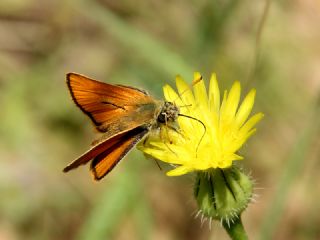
235 229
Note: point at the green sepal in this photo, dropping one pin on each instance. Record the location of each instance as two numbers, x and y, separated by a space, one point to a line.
223 193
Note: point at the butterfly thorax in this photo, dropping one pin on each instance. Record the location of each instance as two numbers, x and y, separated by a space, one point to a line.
168 113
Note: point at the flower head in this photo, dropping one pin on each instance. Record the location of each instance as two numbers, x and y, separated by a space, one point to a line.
209 131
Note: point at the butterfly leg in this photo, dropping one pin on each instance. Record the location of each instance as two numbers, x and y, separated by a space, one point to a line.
144 144
167 137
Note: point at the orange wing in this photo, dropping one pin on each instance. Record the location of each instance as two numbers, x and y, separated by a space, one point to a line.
108 153
93 152
107 160
112 108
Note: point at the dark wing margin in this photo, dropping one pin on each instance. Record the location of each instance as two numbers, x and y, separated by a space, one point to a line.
103 163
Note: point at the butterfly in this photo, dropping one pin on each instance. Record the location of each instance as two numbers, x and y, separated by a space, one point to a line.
125 115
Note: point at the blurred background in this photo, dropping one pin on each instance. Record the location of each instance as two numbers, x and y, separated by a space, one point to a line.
272 46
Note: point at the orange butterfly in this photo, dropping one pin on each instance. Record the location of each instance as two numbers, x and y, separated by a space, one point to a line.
123 114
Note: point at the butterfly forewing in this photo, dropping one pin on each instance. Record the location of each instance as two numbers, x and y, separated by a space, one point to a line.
111 108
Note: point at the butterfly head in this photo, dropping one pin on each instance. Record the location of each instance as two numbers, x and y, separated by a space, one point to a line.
169 113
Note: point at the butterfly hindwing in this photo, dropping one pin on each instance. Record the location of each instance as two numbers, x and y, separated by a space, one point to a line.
107 160
94 151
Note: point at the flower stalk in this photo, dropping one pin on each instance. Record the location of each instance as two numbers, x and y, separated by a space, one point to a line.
236 230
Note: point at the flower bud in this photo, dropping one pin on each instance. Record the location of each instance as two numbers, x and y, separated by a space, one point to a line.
223 193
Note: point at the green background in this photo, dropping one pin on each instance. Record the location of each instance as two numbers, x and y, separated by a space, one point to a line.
272 46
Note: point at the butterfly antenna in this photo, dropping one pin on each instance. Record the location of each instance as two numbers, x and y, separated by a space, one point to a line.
194 82
199 121
187 105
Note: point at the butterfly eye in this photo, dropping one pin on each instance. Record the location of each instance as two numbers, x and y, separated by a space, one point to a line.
162 117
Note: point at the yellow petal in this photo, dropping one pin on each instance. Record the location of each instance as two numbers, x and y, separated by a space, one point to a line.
250 133
223 109
233 99
188 103
241 140
171 95
179 171
236 157
214 94
245 108
187 124
162 154
199 89
250 123
184 92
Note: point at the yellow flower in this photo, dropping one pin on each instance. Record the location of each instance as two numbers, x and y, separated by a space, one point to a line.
213 140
